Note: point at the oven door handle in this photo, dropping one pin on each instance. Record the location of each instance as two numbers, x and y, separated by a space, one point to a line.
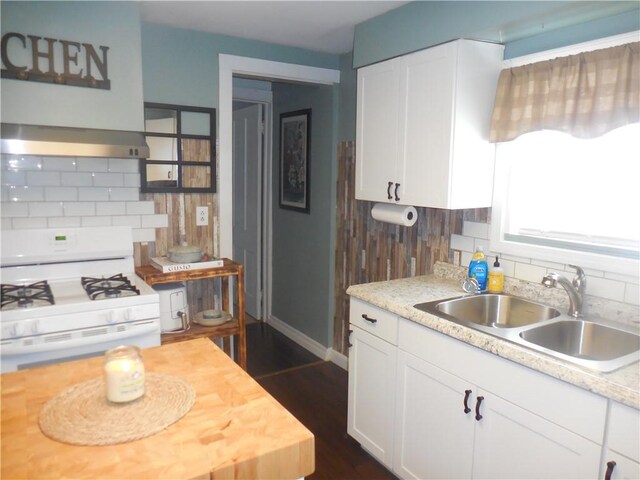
15 347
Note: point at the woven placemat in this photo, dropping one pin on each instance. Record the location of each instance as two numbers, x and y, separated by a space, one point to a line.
82 415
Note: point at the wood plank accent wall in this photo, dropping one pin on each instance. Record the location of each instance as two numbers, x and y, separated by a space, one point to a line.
203 294
369 251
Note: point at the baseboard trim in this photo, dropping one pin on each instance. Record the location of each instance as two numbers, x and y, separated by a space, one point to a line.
308 343
339 359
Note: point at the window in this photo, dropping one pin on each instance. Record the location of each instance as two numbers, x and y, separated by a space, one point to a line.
182 149
569 200
567 165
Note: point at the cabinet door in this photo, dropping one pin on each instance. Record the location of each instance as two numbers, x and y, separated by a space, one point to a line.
624 468
512 443
623 441
428 93
624 430
372 369
377 130
434 435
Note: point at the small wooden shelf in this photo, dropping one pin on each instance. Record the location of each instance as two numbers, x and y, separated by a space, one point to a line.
236 326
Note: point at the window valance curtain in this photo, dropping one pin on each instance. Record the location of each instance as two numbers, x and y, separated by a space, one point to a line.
585 95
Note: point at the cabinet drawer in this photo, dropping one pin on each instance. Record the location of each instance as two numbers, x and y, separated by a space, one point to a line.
381 323
624 430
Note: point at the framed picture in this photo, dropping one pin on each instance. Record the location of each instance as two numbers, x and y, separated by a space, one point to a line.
295 130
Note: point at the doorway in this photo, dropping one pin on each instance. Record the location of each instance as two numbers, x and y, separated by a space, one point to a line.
230 66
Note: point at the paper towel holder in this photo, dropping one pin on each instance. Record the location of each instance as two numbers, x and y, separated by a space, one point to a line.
404 215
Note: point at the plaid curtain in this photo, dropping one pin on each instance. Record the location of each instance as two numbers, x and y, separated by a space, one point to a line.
585 95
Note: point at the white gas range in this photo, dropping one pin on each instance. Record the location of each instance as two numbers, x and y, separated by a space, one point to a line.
71 293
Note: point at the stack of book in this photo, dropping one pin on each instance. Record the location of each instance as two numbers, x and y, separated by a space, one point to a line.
165 265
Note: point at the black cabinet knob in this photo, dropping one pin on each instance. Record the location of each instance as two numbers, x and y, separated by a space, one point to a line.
478 402
395 192
368 318
610 466
389 197
467 393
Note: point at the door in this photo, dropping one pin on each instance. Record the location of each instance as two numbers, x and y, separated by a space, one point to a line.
247 205
511 443
372 366
377 131
434 431
428 93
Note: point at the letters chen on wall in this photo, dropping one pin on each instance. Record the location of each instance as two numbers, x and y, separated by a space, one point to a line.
42 59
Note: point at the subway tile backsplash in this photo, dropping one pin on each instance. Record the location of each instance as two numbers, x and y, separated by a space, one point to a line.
52 192
602 284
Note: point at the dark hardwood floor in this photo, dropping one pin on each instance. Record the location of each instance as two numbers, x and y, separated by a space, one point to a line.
315 392
272 352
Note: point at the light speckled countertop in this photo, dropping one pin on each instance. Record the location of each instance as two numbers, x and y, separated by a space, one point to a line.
399 296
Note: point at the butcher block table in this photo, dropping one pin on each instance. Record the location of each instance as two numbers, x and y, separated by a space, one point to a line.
235 429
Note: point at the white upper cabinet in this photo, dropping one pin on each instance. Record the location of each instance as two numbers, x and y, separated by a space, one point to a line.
423 124
378 111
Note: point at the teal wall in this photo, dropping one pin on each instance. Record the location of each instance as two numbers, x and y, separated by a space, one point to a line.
583 32
422 24
181 66
518 24
112 24
303 244
347 98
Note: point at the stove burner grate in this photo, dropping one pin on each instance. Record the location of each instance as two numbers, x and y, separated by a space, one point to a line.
25 296
111 287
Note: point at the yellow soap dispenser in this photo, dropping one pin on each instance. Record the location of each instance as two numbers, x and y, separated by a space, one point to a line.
496 278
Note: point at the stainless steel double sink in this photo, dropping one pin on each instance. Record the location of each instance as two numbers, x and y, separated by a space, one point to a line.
595 345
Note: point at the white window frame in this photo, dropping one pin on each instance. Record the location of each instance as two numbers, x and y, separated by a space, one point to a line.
596 261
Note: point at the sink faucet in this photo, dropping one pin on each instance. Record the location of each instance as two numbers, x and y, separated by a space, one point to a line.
575 289
471 285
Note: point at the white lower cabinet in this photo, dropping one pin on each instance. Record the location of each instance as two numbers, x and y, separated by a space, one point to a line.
511 442
429 406
372 371
622 456
447 427
433 435
619 467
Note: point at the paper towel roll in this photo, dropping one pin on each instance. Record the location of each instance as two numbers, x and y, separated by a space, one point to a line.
399 214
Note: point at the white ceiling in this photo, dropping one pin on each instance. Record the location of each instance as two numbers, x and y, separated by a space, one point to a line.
324 26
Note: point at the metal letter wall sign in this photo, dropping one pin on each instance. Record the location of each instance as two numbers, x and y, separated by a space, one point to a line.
79 61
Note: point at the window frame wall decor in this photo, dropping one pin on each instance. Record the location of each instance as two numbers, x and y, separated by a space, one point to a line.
289 171
179 137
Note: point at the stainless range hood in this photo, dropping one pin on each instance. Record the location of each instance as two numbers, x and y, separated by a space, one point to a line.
71 142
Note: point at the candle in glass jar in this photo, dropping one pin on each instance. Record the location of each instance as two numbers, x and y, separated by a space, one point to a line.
124 374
